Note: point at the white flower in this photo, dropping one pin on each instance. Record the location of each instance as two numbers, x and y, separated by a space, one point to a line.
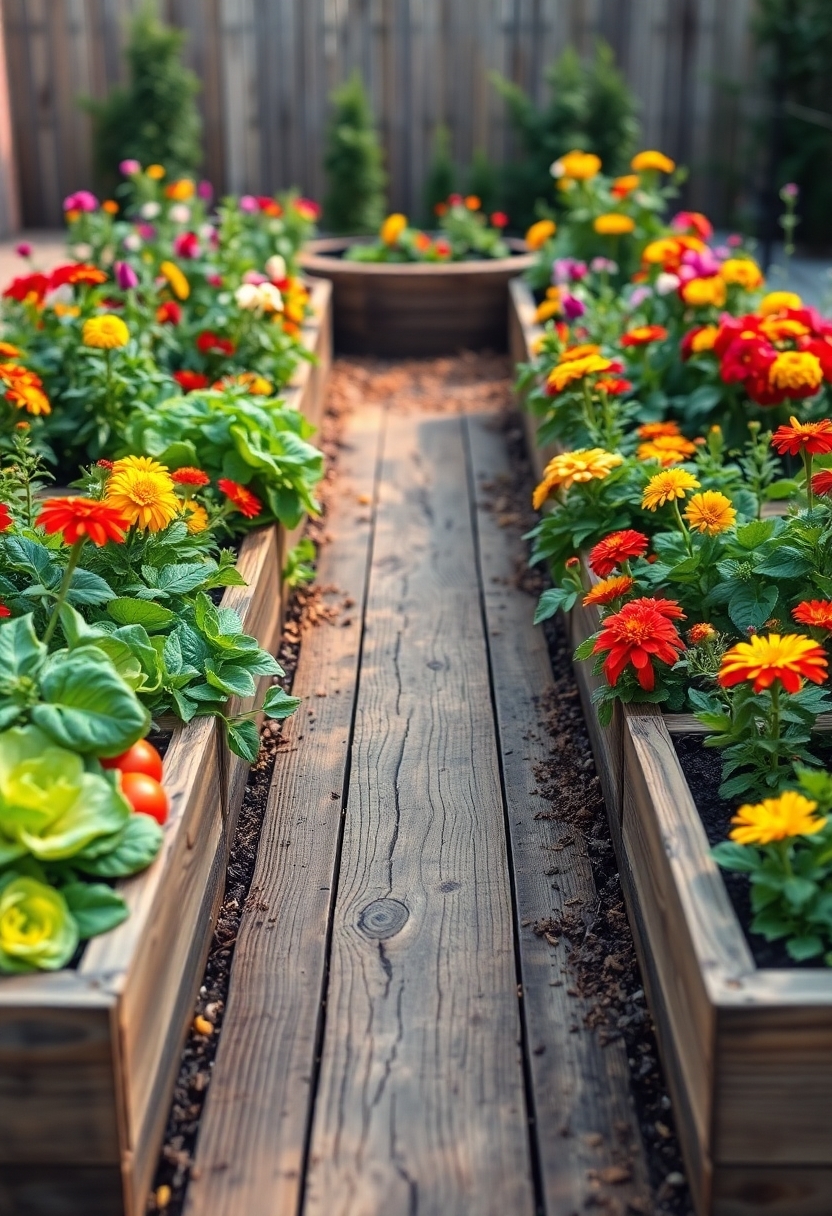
82 252
149 211
276 268
556 168
107 255
270 298
133 242
58 295
180 213
666 283
248 296
206 232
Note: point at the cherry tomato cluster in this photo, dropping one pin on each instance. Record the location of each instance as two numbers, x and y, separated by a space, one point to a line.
141 779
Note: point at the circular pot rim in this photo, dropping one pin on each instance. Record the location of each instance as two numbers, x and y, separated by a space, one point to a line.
319 256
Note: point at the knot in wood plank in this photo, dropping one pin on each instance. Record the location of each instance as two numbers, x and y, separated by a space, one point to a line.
383 918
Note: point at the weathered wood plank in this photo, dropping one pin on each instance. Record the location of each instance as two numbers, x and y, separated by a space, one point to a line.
250 1152
421 1104
581 1089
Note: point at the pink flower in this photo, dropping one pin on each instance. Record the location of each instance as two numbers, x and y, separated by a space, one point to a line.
254 276
81 200
572 306
205 191
186 245
126 276
248 203
23 250
129 167
146 231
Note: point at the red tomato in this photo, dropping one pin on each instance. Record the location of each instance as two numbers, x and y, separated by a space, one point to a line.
142 757
145 795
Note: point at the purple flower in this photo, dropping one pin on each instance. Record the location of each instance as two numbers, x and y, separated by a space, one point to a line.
249 203
146 231
603 265
126 276
568 270
722 252
790 190
23 250
639 295
205 191
703 263
129 167
572 306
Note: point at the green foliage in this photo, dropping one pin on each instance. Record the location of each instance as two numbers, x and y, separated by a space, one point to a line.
482 180
155 118
590 107
441 179
299 568
355 200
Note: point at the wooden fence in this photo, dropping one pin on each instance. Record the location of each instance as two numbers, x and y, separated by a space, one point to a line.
268 67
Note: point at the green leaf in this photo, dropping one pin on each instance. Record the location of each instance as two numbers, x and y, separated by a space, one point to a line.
753 534
751 604
133 849
127 611
784 488
807 946
181 578
799 891
231 679
243 739
86 705
96 907
279 704
733 856
89 588
21 653
784 562
586 648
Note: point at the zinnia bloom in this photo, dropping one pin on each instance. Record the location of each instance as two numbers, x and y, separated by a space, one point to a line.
28 288
614 386
701 292
142 490
796 373
693 221
256 386
243 499
636 635
209 343
812 437
616 548
76 272
547 309
6 520
698 340
564 374
622 186
393 227
169 313
703 632
540 233
24 389
710 512
654 430
816 613
790 658
776 819
643 334
196 517
643 162
666 486
779 301
586 464
612 223
179 285
190 381
743 271
609 589
822 483
667 449
81 518
105 333
189 476
578 165
579 352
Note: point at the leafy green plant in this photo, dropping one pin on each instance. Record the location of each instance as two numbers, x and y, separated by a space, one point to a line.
299 568
441 179
355 197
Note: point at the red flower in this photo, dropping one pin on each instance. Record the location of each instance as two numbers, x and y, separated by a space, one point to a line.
616 548
668 608
76 272
6 520
210 343
189 381
4 611
812 437
308 209
105 464
245 502
499 219
29 288
693 221
817 613
636 635
643 334
169 313
822 483
613 386
822 348
186 245
79 518
189 476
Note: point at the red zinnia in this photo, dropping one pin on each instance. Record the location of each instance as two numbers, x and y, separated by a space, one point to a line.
76 272
245 502
812 437
499 219
210 343
79 518
822 483
189 476
28 288
169 313
616 548
636 635
5 611
668 608
817 613
6 520
189 381
643 334
614 386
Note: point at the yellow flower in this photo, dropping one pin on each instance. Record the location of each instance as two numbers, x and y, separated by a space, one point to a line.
743 271
180 190
666 486
704 339
710 512
65 310
643 162
197 516
155 172
105 333
612 223
578 165
796 369
587 464
567 373
623 186
180 286
579 352
776 819
540 233
776 329
665 249
701 292
779 301
547 309
393 227
142 491
667 449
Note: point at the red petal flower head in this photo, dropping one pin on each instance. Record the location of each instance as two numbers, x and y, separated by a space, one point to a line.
637 635
189 476
81 518
243 499
616 548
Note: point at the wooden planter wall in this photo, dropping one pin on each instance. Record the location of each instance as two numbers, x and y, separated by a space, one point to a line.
88 1057
747 1051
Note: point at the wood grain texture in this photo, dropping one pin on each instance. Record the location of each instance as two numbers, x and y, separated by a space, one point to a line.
581 1088
250 1150
421 1103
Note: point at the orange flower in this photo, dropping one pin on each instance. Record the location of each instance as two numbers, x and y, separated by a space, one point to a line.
24 389
702 632
7 351
609 589
790 658
473 202
614 386
80 518
579 352
76 272
642 334
567 373
667 449
703 291
616 548
243 499
656 430
636 635
812 437
622 186
189 476
711 512
815 613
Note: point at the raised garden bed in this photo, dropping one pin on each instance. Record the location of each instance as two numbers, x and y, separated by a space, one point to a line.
88 1056
416 308
747 1050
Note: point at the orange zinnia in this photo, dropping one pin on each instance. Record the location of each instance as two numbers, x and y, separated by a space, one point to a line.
656 430
247 504
637 635
816 613
812 437
616 548
609 589
189 476
702 632
790 658
643 334
80 518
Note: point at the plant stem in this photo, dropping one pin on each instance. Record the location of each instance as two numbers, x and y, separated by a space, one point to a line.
74 554
682 528
774 725
807 464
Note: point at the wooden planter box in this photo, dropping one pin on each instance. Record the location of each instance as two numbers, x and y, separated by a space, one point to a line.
747 1051
416 308
88 1057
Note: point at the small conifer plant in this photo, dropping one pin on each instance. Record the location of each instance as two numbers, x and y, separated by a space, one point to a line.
354 163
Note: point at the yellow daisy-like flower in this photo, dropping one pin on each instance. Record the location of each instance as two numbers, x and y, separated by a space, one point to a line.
393 227
643 162
779 301
710 512
796 369
567 373
776 819
743 271
105 333
586 464
613 224
196 516
155 172
142 491
667 449
665 249
578 165
180 191
540 233
667 486
623 186
579 352
779 329
547 309
704 291
704 339
179 285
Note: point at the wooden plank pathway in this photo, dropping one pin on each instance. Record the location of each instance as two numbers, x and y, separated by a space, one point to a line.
397 1040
